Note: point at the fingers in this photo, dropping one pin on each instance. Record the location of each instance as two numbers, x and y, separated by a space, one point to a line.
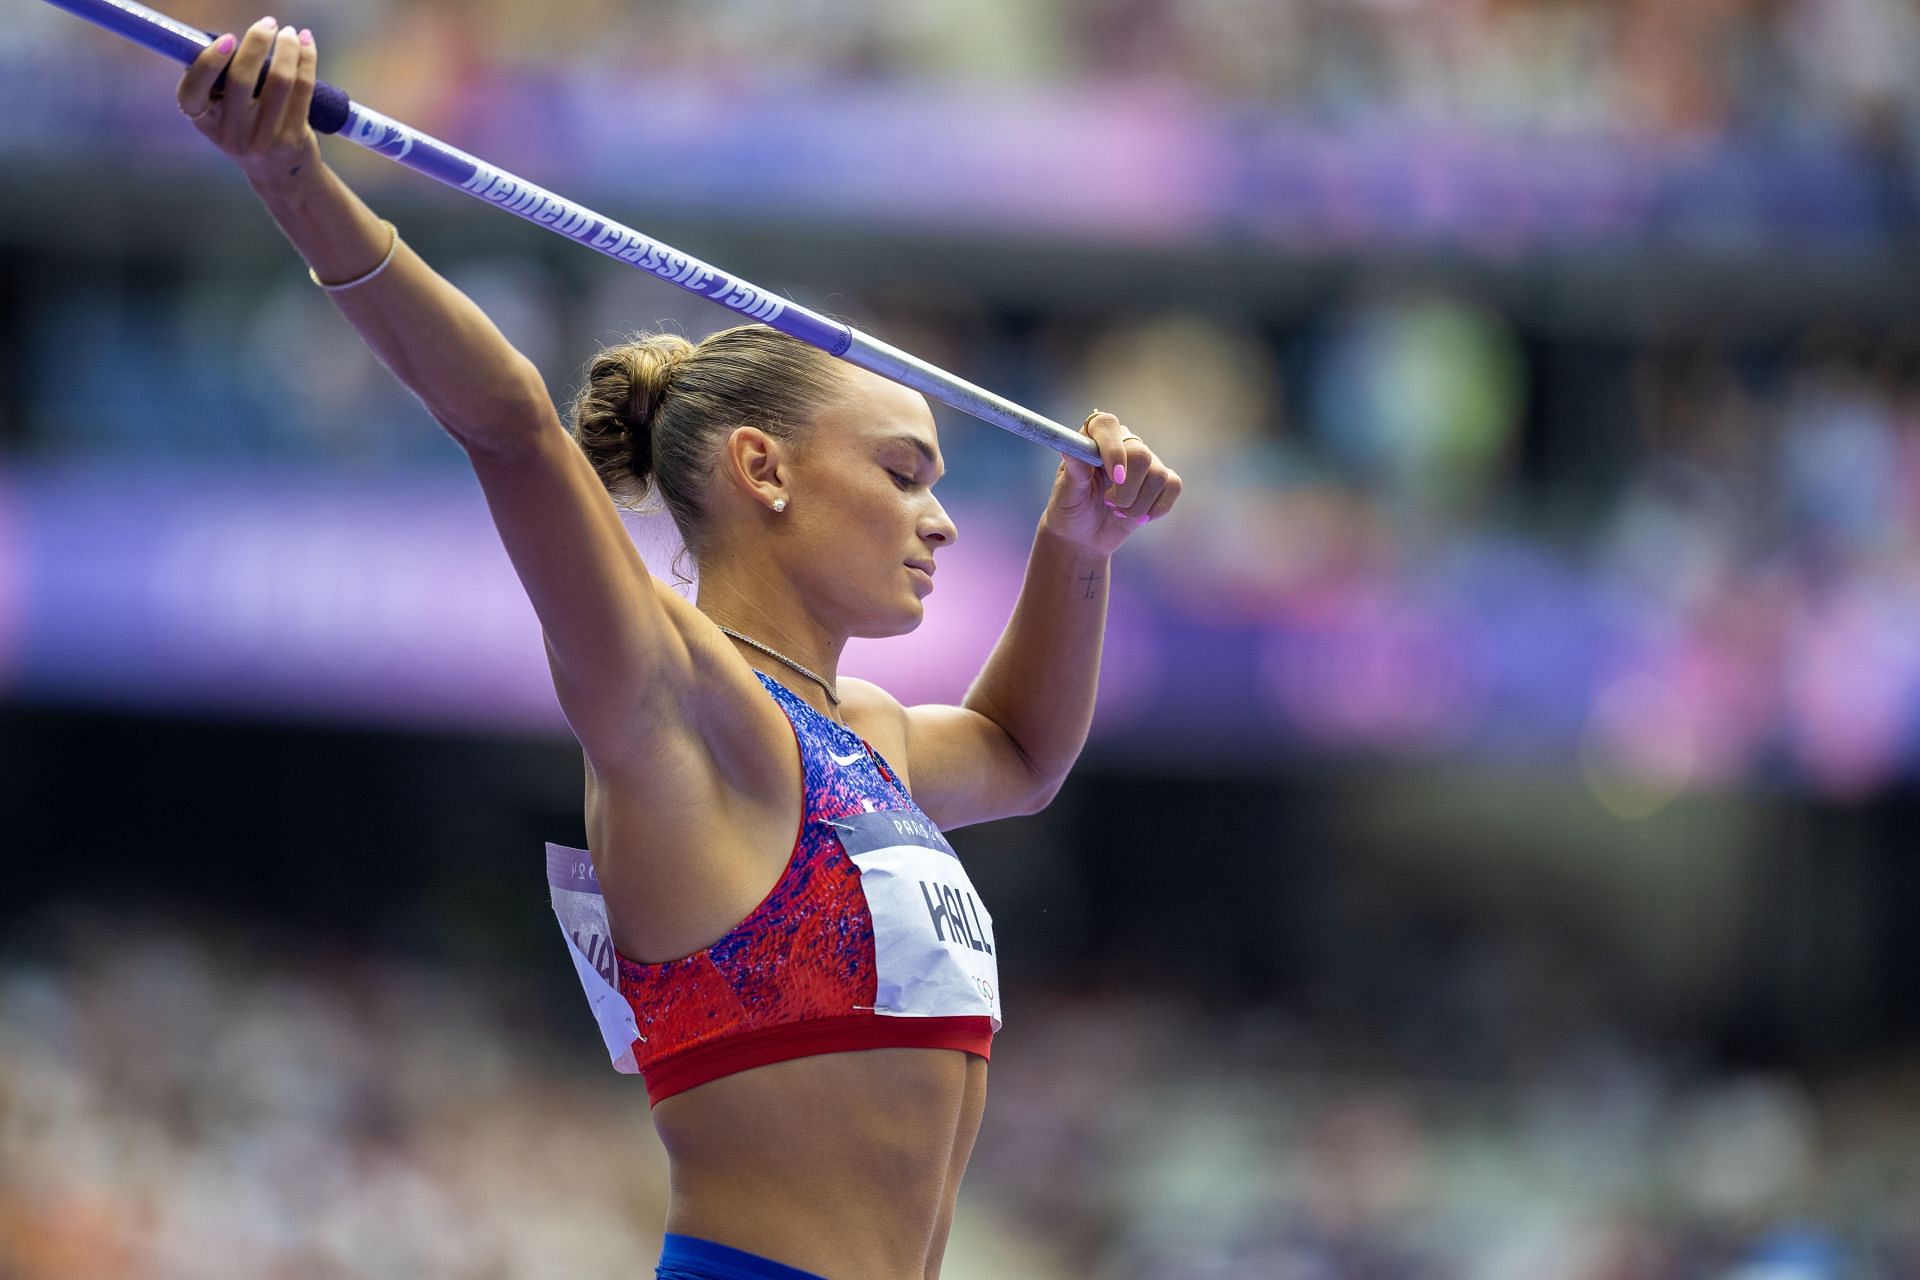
1106 432
239 114
1169 494
1140 487
307 74
1133 472
251 95
283 75
196 85
1150 491
1123 457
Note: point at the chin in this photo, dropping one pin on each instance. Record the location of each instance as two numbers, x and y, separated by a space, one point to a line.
899 622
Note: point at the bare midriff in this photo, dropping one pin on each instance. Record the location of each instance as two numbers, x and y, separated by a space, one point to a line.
843 1164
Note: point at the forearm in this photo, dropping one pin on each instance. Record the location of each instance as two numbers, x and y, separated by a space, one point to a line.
1040 682
429 334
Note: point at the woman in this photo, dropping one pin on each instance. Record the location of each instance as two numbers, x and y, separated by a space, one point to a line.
813 1034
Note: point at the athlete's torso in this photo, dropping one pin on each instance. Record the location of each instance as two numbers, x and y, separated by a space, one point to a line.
845 1163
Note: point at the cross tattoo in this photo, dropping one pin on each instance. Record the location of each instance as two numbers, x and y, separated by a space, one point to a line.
1091 580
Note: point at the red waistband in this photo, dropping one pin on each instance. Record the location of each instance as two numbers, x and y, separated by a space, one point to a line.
701 1063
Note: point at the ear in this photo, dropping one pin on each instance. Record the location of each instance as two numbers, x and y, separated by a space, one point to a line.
754 461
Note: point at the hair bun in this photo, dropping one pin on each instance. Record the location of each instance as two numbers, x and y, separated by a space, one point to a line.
616 412
651 362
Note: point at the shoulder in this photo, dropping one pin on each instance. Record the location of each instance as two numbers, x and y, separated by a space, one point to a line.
870 708
877 716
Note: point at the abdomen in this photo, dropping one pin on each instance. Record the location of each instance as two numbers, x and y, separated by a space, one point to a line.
842 1164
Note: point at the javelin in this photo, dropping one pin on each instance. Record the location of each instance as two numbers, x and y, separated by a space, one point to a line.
334 112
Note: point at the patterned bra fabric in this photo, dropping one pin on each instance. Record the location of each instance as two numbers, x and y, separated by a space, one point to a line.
799 976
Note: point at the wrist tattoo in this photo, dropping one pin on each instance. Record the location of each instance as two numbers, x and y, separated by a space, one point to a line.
1093 583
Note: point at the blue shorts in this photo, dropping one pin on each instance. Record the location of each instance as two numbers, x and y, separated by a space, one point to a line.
689 1258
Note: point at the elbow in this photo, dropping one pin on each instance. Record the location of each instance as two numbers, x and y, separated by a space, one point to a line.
1041 793
501 416
1028 779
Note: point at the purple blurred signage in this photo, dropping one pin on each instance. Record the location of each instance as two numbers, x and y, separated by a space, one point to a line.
373 599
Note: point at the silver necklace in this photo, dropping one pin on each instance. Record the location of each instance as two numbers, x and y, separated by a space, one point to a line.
833 699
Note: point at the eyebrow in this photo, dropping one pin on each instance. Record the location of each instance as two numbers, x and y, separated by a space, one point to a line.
926 451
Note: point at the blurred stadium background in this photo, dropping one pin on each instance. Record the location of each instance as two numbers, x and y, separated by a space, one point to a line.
1492 857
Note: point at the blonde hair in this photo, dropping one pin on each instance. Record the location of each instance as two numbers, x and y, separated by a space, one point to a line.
655 408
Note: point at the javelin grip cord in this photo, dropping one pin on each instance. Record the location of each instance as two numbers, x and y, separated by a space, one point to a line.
334 112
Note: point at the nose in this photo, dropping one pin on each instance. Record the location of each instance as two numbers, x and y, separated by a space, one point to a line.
937 526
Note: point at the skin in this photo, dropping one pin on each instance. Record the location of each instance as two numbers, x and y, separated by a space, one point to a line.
848 1164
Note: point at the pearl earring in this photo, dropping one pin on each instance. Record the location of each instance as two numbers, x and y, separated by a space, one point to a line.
779 504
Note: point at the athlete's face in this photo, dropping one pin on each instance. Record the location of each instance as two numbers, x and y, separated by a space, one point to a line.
863 500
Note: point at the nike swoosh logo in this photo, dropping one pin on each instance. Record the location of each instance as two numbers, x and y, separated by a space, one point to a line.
839 759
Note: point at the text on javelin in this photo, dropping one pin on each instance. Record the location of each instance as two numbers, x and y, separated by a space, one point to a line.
535 205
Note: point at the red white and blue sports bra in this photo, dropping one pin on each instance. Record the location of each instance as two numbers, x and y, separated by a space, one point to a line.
873 937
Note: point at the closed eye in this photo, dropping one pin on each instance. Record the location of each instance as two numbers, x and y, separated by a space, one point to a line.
905 482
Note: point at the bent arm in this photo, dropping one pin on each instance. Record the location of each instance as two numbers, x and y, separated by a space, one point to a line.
1009 745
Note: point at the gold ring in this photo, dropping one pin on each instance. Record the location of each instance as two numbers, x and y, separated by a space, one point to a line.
1088 420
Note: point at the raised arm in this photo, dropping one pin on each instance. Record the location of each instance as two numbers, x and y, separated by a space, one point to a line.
1007 748
614 639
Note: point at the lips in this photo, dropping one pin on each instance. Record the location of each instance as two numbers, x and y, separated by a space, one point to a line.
924 567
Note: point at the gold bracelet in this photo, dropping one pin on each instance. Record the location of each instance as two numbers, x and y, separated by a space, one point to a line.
393 247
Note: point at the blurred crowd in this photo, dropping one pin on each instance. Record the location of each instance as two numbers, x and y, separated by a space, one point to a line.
1771 528
1612 66
172 1108
1159 1140
179 1104
1489 126
1713 547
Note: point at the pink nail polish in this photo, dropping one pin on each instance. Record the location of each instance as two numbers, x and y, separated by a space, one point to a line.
225 43
306 36
1119 473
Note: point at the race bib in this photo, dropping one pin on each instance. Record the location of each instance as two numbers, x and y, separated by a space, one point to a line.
582 914
932 939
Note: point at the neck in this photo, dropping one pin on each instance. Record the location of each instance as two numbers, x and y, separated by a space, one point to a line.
763 613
